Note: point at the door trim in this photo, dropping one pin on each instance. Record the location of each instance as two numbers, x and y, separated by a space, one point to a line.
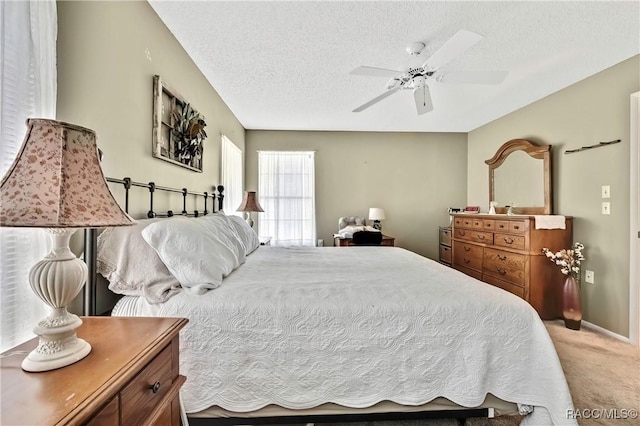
634 221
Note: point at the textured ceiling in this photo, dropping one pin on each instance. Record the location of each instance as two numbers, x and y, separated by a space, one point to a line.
285 65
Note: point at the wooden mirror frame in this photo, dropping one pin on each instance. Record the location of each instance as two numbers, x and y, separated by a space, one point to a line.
539 152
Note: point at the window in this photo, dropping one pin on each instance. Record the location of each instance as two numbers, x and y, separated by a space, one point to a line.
286 192
28 89
231 176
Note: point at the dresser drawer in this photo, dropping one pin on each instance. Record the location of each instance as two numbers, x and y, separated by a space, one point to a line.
488 224
471 250
502 225
507 266
463 222
511 288
510 240
518 226
138 399
475 236
466 260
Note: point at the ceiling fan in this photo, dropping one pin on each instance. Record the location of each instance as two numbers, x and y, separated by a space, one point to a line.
417 79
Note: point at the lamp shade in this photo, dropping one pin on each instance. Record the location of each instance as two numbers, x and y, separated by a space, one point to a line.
56 181
376 213
249 203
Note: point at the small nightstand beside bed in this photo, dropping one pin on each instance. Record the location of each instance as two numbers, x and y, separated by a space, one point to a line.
309 331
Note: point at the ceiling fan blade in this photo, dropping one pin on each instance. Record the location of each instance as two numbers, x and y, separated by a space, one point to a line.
422 97
376 99
461 41
375 72
474 77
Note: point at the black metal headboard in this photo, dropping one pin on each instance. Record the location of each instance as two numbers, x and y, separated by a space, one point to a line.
91 235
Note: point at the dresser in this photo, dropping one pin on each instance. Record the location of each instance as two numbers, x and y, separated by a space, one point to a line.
347 242
506 251
130 377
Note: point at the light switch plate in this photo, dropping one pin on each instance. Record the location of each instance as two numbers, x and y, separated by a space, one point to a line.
606 191
588 276
606 207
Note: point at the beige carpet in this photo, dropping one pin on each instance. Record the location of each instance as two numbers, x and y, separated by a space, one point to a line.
603 374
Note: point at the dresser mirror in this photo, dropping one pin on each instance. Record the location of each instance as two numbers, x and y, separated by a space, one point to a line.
520 176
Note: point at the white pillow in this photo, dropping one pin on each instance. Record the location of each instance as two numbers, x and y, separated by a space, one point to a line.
131 266
198 252
246 233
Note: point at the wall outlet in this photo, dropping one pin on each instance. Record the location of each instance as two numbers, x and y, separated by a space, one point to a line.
606 207
320 242
588 276
606 191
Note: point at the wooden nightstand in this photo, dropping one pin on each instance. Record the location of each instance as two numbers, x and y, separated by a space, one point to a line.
130 377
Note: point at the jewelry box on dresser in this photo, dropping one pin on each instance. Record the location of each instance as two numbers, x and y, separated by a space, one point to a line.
506 251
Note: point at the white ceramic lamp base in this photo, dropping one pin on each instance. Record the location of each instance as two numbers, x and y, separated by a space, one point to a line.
57 280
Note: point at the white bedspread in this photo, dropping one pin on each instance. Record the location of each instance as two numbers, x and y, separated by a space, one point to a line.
299 327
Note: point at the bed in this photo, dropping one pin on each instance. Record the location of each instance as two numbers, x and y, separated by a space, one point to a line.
303 331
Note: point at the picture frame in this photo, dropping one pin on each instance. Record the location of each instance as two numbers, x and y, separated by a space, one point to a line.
178 129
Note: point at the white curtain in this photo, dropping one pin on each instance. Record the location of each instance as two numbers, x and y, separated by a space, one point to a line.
286 182
231 176
28 31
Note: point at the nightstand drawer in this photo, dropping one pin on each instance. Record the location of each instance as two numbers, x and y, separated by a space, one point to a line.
144 393
445 254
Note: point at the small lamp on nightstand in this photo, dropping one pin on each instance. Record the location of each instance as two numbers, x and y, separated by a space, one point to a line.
376 215
56 183
249 204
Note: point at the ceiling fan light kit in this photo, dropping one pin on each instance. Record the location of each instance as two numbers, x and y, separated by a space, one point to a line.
415 48
417 79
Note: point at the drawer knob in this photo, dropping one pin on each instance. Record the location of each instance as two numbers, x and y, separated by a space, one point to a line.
155 387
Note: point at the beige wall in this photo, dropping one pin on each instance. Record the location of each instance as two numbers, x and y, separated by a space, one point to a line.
415 177
593 110
105 82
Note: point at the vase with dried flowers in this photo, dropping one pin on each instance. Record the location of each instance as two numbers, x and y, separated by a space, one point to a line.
569 261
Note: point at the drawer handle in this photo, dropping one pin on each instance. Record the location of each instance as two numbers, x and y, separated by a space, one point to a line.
155 387
466 248
502 257
462 233
502 271
516 227
508 240
480 237
445 248
466 260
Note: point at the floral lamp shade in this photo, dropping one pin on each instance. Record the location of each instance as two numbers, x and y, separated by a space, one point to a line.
56 183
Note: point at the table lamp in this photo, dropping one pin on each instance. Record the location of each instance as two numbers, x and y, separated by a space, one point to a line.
56 182
376 215
249 204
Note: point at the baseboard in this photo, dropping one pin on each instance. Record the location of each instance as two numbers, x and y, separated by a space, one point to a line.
606 332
